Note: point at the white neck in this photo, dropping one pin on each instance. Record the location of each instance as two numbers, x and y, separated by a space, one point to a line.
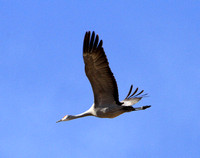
87 113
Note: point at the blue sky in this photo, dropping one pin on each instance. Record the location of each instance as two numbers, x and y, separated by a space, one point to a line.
154 45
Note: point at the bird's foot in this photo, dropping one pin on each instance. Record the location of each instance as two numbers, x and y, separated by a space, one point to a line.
142 107
145 107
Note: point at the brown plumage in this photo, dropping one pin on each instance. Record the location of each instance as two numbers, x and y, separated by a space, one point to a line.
106 97
98 71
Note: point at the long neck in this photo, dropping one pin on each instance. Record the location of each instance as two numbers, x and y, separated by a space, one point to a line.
87 113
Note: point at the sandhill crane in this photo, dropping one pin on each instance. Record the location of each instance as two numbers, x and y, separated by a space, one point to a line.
104 86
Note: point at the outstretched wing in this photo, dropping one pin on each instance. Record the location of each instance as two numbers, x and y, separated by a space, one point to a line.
98 71
133 98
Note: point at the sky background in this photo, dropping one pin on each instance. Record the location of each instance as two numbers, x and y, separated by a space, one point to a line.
154 45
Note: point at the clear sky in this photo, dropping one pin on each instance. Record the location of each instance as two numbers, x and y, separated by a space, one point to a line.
154 45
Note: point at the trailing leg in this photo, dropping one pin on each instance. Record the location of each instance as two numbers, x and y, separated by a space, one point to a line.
142 107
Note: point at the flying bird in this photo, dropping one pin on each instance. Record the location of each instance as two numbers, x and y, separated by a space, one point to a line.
104 86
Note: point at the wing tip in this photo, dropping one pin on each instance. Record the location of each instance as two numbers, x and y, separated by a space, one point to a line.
91 41
135 94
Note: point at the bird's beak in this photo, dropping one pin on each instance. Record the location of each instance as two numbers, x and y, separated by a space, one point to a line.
59 121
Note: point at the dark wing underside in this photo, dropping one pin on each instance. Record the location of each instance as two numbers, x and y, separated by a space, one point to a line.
98 71
135 94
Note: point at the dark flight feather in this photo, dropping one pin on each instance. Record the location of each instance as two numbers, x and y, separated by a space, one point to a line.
98 71
129 91
134 95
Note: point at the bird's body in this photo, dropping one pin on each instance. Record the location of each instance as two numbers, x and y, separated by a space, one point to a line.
106 98
110 111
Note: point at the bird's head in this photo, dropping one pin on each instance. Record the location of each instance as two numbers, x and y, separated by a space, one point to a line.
65 118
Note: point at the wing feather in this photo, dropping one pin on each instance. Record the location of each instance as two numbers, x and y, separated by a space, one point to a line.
129 92
98 71
132 99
